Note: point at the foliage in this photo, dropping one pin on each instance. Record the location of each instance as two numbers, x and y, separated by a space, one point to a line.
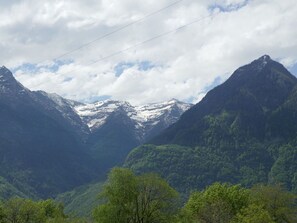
284 170
129 198
253 214
219 203
147 198
280 204
19 210
224 203
187 168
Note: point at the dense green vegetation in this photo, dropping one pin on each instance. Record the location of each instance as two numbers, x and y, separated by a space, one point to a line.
187 168
19 210
225 203
147 198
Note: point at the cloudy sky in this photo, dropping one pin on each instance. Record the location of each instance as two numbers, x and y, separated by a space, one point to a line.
135 50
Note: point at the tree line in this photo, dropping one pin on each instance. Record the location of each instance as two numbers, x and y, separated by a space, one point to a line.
20 210
147 198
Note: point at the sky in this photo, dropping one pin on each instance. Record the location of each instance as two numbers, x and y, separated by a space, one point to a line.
141 51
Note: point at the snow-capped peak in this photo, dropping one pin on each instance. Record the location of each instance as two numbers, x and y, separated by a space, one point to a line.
144 117
95 115
152 111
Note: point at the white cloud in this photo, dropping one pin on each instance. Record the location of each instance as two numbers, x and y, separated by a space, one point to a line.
186 62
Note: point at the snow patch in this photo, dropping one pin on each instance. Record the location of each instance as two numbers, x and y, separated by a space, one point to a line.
146 116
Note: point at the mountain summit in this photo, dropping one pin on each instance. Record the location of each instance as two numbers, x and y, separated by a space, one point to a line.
269 81
251 93
8 84
5 74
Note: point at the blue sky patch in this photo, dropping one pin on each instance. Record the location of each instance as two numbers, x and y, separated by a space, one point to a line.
228 8
142 66
35 68
121 67
145 65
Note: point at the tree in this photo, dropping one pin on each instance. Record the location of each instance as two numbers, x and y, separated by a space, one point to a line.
20 210
119 192
51 209
219 203
156 201
279 203
253 214
136 199
224 203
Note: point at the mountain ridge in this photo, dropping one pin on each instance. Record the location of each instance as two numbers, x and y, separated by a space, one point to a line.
239 84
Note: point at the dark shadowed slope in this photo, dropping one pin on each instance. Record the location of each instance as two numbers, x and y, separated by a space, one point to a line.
39 152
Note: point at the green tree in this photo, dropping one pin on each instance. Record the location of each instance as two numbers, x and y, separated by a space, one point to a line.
19 210
219 203
136 199
253 214
51 209
279 203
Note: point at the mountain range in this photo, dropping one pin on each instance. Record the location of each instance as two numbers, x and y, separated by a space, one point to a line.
49 144
244 131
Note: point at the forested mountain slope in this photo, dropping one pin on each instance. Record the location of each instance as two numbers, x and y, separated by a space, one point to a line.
242 131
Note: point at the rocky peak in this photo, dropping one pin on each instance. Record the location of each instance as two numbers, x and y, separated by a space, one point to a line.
8 84
5 75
